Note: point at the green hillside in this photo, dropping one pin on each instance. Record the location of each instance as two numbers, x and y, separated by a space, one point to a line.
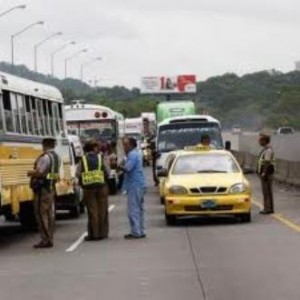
253 101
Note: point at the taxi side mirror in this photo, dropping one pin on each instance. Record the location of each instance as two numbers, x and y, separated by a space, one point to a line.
162 173
228 145
247 170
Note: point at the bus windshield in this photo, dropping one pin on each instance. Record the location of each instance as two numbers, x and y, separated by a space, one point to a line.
94 129
177 136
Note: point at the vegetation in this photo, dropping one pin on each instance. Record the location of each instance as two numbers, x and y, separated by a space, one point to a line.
252 101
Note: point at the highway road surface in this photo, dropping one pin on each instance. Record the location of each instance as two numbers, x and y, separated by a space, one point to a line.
213 258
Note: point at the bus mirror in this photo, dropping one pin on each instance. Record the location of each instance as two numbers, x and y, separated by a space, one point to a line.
162 173
228 145
152 145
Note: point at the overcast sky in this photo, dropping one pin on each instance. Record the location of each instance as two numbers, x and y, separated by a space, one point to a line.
156 37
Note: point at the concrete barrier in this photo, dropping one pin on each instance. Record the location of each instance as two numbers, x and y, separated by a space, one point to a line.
286 171
294 173
282 170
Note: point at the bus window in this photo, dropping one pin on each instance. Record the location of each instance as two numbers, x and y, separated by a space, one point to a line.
61 120
46 116
50 114
1 114
7 112
56 118
22 113
41 116
29 115
35 116
15 112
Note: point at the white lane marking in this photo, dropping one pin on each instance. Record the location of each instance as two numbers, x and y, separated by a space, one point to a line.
80 240
76 244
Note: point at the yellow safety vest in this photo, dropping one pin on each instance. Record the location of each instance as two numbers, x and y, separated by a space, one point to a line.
94 176
53 175
261 161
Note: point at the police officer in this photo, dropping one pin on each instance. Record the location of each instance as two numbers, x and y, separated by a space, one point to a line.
265 170
92 172
43 178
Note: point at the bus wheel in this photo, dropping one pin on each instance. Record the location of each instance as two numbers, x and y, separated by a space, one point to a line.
26 216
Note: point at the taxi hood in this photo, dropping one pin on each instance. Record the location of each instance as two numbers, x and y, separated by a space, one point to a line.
206 179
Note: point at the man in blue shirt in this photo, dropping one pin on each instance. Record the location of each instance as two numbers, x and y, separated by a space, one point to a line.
135 187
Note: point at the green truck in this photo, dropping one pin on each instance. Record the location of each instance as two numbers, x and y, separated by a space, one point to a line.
171 109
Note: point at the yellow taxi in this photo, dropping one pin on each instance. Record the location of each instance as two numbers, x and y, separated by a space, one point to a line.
205 182
162 179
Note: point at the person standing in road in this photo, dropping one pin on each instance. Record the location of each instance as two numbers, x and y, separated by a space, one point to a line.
265 170
92 172
43 178
135 187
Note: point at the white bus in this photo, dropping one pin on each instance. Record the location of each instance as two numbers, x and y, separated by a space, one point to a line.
99 123
94 122
178 132
29 112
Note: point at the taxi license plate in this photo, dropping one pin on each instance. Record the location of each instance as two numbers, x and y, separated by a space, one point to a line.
208 204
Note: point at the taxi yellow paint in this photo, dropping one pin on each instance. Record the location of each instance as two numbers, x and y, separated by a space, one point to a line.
192 202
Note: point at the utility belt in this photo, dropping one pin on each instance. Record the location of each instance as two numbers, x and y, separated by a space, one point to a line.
39 184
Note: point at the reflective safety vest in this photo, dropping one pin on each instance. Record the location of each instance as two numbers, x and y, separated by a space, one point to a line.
262 161
47 182
92 175
53 175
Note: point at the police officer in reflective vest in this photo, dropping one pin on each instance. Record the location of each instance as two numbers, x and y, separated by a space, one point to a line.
265 170
92 172
43 178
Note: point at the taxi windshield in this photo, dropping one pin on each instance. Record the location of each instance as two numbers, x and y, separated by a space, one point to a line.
205 163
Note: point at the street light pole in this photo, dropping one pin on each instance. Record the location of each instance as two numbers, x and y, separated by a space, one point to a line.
63 47
36 46
12 9
17 34
69 58
87 63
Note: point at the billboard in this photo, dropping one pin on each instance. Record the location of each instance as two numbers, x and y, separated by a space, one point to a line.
181 84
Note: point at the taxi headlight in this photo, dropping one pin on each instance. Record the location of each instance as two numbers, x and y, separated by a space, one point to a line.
177 190
238 188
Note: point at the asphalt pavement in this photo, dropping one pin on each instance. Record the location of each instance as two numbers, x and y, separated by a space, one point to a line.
211 258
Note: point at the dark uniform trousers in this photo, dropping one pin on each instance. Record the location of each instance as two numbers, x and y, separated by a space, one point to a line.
267 190
96 201
44 212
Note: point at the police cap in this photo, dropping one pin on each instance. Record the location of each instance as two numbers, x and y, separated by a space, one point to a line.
264 136
90 145
49 142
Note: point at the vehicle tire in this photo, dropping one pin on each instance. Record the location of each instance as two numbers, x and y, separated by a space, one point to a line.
170 220
75 211
27 217
162 200
9 217
113 186
245 218
82 207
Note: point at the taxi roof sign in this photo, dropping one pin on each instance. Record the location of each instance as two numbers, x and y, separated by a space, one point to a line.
198 148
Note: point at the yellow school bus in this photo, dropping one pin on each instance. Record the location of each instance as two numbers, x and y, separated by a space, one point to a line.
29 112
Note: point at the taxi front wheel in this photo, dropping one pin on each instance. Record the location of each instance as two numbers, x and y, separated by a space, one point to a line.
170 220
245 218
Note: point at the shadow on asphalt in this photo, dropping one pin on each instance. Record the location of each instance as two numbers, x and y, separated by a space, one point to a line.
12 232
207 221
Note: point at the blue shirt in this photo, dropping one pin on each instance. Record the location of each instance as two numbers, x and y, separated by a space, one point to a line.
134 174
